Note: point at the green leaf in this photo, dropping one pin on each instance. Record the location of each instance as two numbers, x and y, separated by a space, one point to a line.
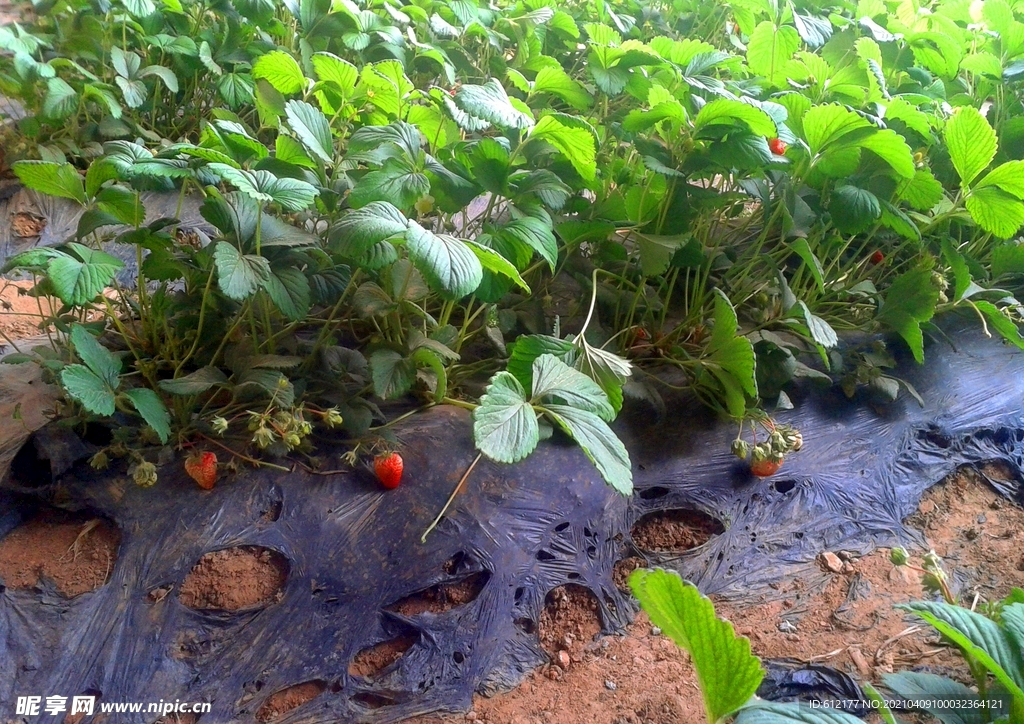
528 347
397 181
534 233
891 148
554 378
730 357
1007 329
727 111
96 357
607 369
424 357
449 265
971 143
494 262
573 137
995 211
980 637
196 382
821 331
826 124
166 75
770 50
239 275
392 373
554 80
923 191
656 251
263 186
961 272
894 218
490 102
281 71
1008 259
312 128
803 250
78 281
727 671
359 230
598 442
853 209
780 713
332 69
505 425
54 179
288 289
61 99
1008 177
910 300
152 409
85 386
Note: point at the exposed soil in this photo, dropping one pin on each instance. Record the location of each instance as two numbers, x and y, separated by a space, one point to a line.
76 553
20 314
675 530
235 579
283 701
442 597
849 624
373 660
568 624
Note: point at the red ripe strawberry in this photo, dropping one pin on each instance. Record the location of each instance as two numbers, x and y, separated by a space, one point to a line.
765 467
202 467
777 146
389 468
877 257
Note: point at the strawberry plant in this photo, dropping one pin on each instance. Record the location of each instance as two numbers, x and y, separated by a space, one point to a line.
407 204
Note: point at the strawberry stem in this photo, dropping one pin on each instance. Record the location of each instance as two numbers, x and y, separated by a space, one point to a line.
451 498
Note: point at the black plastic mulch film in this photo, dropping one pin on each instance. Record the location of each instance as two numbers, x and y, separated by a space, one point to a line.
354 550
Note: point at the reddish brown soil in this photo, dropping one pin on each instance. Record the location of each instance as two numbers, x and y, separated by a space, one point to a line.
442 597
20 314
283 701
643 678
76 553
568 624
235 579
675 530
372 661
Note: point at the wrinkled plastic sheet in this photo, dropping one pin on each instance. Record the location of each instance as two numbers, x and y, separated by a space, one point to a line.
354 550
61 217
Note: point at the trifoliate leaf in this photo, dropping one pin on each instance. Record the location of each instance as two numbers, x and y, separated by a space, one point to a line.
505 425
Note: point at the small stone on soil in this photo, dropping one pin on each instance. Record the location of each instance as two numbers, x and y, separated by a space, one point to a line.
831 561
655 631
787 627
610 685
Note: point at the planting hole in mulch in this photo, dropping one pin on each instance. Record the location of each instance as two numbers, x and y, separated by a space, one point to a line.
442 597
235 579
675 531
281 702
570 620
371 661
623 569
76 552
